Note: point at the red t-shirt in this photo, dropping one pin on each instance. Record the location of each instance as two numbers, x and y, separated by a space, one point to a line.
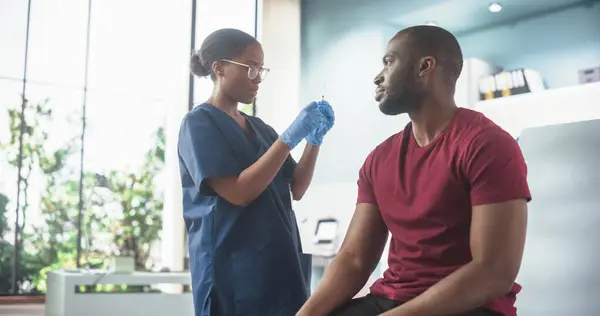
426 194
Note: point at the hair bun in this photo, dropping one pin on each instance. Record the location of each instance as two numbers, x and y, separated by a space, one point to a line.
197 67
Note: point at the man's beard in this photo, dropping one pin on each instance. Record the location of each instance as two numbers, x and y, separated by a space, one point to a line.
407 99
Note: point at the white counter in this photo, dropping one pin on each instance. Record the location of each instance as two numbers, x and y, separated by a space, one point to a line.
62 300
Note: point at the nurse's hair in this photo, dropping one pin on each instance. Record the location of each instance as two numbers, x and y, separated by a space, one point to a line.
220 44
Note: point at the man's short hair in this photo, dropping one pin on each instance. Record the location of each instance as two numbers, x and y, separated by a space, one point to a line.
435 41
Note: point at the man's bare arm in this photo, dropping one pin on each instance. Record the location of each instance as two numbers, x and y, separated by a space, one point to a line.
497 242
349 271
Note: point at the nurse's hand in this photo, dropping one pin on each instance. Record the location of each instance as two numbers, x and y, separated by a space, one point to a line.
316 137
309 119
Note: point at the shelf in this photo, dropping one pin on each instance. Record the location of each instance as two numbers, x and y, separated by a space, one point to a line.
549 107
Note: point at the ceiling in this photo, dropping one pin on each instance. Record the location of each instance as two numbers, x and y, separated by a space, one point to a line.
458 16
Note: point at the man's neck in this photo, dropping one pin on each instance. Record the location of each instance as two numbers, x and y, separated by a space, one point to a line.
431 120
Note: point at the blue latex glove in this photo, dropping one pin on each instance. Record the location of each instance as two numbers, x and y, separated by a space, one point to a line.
308 120
316 137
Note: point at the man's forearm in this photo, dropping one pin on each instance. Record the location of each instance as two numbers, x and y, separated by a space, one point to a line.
468 288
342 280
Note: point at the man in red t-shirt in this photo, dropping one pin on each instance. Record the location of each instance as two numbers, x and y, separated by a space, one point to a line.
451 188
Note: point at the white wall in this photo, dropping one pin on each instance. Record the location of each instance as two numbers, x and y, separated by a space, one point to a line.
279 33
173 235
340 59
573 44
300 74
343 68
346 79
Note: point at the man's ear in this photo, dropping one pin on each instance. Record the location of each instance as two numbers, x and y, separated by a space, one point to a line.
426 65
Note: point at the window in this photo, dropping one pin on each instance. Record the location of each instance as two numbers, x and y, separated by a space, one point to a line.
213 15
10 100
139 54
50 194
57 42
137 71
13 17
123 163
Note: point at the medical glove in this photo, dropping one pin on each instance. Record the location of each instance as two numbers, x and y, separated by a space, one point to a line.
316 137
309 119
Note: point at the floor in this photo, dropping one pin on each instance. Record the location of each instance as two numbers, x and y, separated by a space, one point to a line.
22 310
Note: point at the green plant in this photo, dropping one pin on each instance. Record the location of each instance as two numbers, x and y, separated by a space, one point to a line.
122 211
123 216
29 126
6 249
138 228
26 266
3 219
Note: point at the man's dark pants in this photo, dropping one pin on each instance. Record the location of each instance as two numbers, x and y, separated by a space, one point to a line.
372 306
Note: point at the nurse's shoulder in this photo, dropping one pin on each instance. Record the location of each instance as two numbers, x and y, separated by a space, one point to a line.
196 120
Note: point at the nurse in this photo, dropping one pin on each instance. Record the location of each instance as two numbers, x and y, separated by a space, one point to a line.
238 180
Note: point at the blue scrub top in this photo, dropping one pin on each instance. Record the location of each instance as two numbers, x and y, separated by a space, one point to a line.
243 260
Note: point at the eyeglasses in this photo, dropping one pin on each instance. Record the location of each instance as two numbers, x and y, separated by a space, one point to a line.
253 72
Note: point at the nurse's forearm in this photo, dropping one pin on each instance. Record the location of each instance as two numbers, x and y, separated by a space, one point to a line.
304 171
255 179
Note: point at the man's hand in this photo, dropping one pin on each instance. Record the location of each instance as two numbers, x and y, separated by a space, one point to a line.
349 271
497 242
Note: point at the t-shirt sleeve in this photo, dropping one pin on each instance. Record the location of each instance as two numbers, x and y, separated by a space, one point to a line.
366 194
495 169
204 151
